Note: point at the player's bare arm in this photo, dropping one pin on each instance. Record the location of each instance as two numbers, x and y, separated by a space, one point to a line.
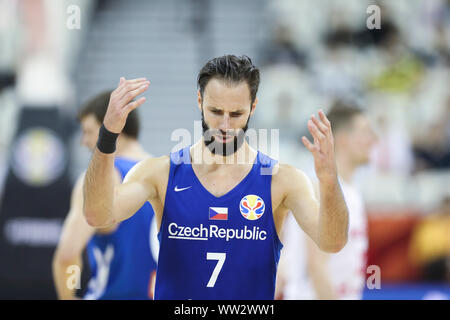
325 222
103 203
146 181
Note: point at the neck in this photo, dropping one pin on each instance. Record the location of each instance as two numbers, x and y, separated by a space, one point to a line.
201 155
346 167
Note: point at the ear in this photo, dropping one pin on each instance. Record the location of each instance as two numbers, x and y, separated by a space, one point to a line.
253 106
199 100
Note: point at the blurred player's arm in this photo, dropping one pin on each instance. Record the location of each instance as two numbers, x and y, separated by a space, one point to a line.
317 264
319 271
104 204
74 237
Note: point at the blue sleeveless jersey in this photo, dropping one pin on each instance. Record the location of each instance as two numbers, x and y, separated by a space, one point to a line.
122 262
217 247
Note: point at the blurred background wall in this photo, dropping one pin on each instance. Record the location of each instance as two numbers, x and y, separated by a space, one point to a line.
311 53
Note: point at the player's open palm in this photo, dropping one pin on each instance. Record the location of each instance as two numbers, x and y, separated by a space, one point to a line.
322 148
122 102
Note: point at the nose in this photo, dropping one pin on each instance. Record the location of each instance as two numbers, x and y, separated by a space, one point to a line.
225 123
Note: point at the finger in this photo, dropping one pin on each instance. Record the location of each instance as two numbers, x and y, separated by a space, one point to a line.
324 118
308 144
122 82
134 93
123 87
317 135
119 90
320 125
134 104
315 140
130 88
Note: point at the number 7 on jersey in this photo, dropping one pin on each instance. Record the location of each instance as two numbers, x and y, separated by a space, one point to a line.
220 257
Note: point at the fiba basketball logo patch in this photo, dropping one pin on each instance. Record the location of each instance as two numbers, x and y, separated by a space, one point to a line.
38 157
252 207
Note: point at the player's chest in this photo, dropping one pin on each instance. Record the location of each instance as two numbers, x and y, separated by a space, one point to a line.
220 197
221 182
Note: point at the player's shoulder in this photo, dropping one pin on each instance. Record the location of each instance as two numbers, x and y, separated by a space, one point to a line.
159 162
150 168
287 176
286 171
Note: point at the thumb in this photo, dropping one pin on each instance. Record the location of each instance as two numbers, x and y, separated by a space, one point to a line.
122 80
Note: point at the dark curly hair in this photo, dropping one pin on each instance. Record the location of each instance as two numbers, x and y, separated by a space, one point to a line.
232 69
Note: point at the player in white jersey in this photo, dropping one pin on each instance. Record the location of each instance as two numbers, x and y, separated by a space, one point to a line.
308 273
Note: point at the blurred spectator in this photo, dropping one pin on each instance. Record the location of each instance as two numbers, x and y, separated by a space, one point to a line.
432 150
430 244
286 100
333 68
282 49
401 70
364 37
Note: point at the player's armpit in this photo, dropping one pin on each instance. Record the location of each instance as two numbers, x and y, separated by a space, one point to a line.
300 199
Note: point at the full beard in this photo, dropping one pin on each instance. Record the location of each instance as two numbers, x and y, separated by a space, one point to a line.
220 148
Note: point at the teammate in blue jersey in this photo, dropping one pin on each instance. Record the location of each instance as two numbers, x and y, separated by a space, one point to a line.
219 203
122 256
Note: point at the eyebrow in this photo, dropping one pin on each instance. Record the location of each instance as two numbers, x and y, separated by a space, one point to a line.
221 109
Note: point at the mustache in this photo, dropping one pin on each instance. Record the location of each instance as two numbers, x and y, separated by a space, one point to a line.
227 148
228 133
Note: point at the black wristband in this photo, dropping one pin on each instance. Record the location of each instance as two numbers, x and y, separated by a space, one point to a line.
106 142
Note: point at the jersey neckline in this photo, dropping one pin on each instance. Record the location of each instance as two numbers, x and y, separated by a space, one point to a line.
231 192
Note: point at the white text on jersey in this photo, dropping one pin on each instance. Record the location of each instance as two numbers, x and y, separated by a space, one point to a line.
203 233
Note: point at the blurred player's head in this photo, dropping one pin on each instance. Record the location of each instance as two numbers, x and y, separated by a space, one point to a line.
91 118
227 88
353 133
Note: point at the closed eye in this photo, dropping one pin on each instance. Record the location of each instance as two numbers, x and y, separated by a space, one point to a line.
218 112
232 114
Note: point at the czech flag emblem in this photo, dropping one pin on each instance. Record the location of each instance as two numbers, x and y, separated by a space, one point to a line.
218 213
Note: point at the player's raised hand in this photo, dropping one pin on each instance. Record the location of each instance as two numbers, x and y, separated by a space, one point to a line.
323 147
121 102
